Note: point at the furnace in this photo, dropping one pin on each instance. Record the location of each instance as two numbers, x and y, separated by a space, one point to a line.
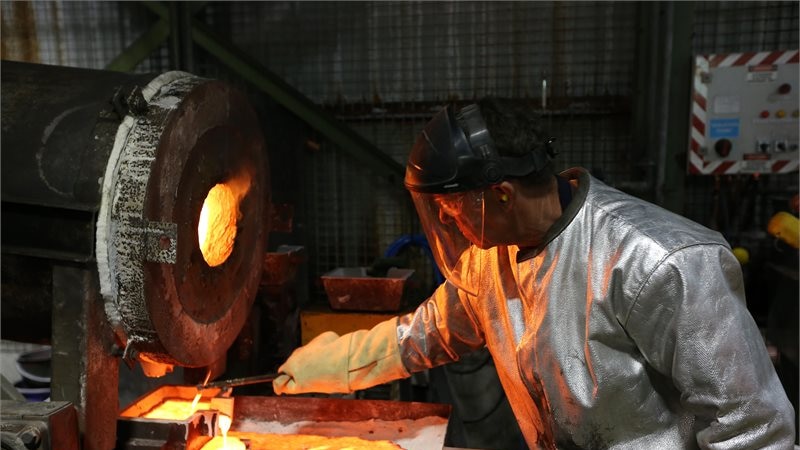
135 217
135 211
188 179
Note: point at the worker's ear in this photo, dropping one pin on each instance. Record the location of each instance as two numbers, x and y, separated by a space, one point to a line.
504 193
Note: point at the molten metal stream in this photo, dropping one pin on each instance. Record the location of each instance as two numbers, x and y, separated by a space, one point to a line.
227 444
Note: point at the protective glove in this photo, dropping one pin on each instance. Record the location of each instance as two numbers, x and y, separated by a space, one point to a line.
342 364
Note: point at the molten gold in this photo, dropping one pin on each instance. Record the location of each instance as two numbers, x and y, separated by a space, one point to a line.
216 230
175 409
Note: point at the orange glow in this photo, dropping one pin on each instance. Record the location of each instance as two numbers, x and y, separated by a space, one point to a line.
219 443
175 409
270 441
225 443
217 228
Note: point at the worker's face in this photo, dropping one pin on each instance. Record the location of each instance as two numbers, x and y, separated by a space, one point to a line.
453 225
465 209
482 216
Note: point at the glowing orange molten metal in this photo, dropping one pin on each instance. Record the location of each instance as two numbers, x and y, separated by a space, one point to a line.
216 230
225 443
175 409
218 443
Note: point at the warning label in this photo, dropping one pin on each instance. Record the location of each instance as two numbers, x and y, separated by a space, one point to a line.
762 73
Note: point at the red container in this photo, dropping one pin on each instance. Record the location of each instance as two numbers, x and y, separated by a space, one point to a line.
351 289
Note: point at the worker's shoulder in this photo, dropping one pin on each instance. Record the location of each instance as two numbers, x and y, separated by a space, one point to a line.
630 219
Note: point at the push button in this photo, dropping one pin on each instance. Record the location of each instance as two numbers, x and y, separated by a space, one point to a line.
723 147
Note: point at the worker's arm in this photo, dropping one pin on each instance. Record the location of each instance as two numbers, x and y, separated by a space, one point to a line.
440 330
436 333
691 323
342 364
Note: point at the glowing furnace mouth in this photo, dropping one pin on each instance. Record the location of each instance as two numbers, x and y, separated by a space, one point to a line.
216 230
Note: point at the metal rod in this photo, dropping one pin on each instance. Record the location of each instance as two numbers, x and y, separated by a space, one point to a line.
253 71
239 381
143 47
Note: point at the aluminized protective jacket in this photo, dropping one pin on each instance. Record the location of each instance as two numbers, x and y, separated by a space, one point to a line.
626 329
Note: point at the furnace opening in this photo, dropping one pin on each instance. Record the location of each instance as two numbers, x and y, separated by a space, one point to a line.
216 230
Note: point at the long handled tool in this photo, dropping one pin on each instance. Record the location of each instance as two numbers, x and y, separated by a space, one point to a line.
222 384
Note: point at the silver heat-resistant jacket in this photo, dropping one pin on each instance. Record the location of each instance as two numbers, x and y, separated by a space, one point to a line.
626 329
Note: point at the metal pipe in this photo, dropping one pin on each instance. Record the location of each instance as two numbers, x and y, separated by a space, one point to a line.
663 100
59 126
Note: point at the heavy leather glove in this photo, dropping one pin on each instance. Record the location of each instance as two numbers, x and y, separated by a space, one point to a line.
342 364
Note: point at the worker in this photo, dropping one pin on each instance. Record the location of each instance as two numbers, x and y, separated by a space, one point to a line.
613 323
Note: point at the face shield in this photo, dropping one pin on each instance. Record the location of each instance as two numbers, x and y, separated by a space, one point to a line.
451 165
454 226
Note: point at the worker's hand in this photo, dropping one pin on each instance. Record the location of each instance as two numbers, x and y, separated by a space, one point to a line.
342 364
319 366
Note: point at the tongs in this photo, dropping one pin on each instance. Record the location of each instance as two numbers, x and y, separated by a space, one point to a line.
225 384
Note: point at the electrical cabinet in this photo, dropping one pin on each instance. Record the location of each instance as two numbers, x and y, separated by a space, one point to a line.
744 116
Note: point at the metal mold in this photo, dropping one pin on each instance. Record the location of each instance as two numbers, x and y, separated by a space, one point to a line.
135 432
280 266
412 425
351 289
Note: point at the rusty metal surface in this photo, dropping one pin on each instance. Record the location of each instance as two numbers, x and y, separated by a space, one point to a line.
270 411
41 425
84 372
280 266
411 425
295 409
351 289
198 310
187 135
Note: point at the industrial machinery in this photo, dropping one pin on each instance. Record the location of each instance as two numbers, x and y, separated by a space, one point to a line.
745 115
105 176
135 215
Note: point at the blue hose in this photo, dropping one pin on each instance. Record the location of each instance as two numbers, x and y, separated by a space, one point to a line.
419 241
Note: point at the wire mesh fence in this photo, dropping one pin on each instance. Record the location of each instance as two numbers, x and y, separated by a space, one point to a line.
384 68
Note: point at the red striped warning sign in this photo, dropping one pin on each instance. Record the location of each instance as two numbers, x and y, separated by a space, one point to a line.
753 59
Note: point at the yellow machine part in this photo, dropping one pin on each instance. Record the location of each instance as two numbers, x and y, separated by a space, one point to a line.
785 227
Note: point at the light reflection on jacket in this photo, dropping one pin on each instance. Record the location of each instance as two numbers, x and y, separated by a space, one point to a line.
628 329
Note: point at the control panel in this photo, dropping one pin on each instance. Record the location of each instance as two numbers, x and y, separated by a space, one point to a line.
744 116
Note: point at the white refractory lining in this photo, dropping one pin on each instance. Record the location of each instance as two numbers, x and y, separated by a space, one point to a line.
120 242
